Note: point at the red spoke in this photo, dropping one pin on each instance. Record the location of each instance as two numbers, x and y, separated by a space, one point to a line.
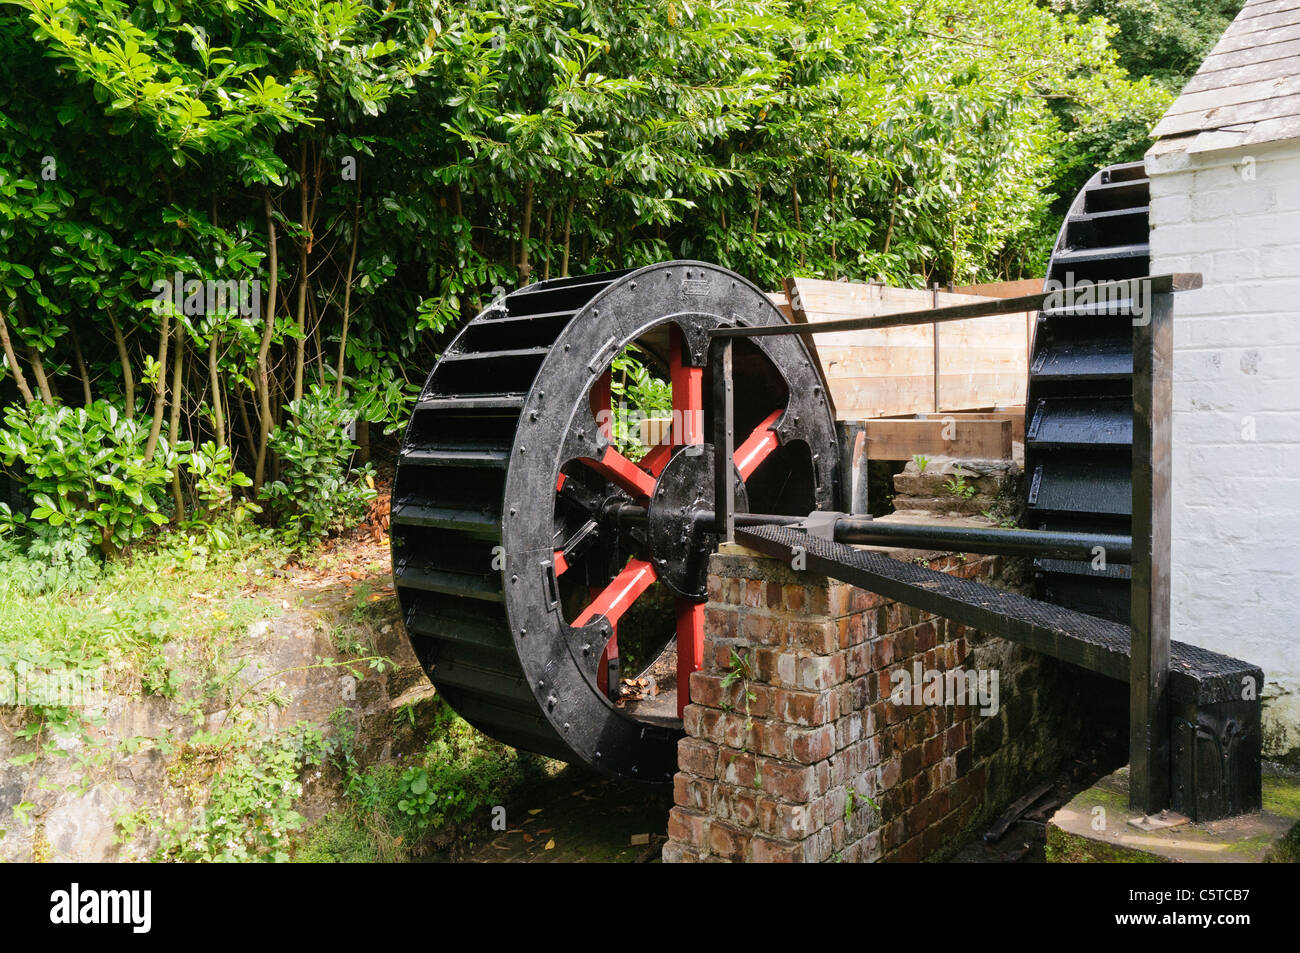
688 407
688 394
657 459
637 576
690 648
617 468
757 446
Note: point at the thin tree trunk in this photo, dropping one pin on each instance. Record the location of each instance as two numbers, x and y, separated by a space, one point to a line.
546 244
758 207
525 269
304 248
264 350
174 425
893 208
160 388
249 434
798 226
12 358
830 191
316 322
128 378
363 442
218 415
81 368
38 372
347 288
568 227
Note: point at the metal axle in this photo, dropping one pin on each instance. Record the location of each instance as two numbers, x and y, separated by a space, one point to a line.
992 541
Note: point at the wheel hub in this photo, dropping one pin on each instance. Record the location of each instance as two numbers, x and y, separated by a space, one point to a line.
681 533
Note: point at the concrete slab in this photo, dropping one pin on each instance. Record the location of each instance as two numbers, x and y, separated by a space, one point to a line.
1094 827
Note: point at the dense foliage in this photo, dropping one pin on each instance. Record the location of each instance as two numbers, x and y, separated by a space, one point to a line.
216 215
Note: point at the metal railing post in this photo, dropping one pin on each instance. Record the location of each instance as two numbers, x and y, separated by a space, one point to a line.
724 438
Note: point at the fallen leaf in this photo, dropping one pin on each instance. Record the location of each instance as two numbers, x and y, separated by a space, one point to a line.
550 844
535 810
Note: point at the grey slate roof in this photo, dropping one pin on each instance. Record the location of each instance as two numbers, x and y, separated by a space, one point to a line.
1248 89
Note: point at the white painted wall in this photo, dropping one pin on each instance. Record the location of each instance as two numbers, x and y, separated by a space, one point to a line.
1234 216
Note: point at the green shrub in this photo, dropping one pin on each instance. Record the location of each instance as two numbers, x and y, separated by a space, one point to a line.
54 559
86 468
317 493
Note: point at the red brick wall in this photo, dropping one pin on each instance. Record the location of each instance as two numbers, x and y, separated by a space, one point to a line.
783 765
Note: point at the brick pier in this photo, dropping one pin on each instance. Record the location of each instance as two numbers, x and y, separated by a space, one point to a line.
787 749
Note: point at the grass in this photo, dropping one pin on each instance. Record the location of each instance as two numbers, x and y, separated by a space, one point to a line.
119 618
440 803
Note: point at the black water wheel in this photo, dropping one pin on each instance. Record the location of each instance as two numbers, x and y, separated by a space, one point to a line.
513 554
1079 409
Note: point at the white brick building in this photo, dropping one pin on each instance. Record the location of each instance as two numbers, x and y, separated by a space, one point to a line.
1225 201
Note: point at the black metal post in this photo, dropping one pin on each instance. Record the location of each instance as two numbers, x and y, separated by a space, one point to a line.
1152 452
724 438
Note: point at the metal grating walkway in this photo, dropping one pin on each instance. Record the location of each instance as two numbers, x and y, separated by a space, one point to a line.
1196 675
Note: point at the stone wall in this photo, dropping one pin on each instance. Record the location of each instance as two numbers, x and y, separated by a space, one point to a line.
1234 216
130 759
787 752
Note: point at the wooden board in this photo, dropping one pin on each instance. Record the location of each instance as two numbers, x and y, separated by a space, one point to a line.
1014 414
1003 289
904 439
982 362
